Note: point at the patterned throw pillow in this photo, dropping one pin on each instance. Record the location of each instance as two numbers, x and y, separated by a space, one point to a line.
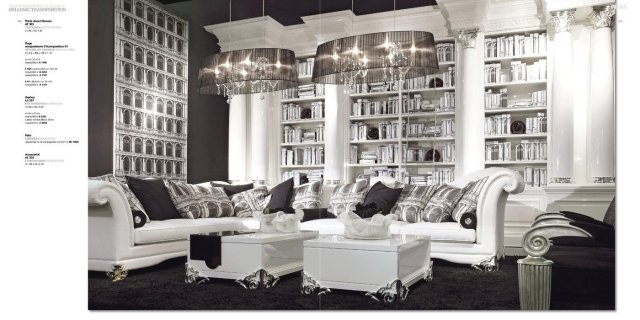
307 196
345 197
412 201
469 201
193 201
244 203
442 203
134 203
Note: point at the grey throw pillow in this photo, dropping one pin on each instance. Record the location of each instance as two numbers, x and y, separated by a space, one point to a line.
193 201
345 197
246 202
469 200
442 203
307 196
412 201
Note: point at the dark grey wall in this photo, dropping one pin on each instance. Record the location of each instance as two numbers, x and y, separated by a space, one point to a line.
100 138
208 117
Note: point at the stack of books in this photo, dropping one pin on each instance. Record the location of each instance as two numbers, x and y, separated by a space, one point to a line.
537 124
303 176
353 154
303 91
498 151
535 177
531 150
448 152
497 125
305 67
515 45
539 98
317 110
521 71
495 100
492 72
368 157
445 52
291 111
312 155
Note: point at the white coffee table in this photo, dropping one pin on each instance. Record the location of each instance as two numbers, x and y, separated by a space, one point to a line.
383 268
255 260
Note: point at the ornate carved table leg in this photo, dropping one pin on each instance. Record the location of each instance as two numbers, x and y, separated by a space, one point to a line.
390 292
428 275
534 283
118 273
311 286
192 275
259 279
489 265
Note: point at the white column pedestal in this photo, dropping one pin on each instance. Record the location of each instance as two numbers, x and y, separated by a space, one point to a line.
238 138
335 100
259 139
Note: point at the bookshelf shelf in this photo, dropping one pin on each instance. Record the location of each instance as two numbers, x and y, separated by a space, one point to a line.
304 99
302 166
511 163
530 57
302 144
515 84
379 141
302 121
514 110
515 136
414 115
395 93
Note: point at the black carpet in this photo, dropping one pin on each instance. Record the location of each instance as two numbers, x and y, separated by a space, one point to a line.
454 287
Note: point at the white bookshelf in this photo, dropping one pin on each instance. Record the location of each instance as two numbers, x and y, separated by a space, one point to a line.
309 125
509 59
430 95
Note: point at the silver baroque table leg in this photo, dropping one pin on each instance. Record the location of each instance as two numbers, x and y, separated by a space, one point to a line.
259 279
390 292
310 286
192 275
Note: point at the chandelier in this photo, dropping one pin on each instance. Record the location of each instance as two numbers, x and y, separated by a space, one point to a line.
247 71
375 57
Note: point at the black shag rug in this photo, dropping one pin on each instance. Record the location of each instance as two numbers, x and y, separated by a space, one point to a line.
454 287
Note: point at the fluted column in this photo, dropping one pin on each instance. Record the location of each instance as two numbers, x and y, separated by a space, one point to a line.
470 111
601 87
335 101
561 156
259 138
237 138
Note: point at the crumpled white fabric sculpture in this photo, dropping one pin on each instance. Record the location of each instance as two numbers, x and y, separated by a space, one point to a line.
279 221
376 227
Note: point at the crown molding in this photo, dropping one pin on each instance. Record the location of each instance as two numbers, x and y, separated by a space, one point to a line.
464 14
561 5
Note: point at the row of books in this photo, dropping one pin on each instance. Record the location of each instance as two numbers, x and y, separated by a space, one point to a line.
515 45
303 176
444 79
537 124
305 67
535 177
526 150
497 125
302 156
445 52
388 153
360 131
299 135
292 111
437 177
498 100
364 107
495 100
303 91
520 71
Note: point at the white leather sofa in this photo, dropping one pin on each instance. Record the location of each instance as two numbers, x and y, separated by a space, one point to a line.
113 241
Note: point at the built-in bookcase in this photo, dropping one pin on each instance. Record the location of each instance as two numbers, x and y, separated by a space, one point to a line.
425 153
516 117
302 117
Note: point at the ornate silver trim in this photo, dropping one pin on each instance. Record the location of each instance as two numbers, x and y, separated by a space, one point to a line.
428 275
259 182
488 265
562 21
561 180
467 37
602 15
260 279
191 275
390 292
310 286
603 179
118 273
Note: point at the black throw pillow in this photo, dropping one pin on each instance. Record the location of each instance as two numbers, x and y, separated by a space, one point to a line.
281 195
139 219
384 197
154 197
367 211
468 220
231 189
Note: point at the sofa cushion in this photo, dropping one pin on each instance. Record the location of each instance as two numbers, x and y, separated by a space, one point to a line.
134 203
231 189
442 231
469 200
180 229
442 203
334 226
345 197
307 196
281 195
246 202
154 197
383 197
193 201
412 200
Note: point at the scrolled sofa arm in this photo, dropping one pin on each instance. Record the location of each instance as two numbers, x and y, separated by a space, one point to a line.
537 241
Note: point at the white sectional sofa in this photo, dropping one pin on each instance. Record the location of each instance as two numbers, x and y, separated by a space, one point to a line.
114 241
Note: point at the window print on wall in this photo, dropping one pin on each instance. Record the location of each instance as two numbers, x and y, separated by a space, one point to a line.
150 91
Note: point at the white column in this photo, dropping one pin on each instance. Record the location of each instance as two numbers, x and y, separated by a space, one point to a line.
335 100
237 138
259 138
601 88
469 116
561 155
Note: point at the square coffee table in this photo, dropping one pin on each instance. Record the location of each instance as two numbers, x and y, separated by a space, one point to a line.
384 269
254 259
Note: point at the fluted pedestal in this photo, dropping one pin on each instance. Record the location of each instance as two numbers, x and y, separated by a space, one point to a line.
259 138
238 138
561 155
335 100
534 283
602 124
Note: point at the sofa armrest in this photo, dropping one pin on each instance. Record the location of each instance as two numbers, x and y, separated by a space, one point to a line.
537 241
110 221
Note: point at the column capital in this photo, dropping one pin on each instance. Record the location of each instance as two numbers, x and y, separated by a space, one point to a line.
602 15
467 37
562 21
